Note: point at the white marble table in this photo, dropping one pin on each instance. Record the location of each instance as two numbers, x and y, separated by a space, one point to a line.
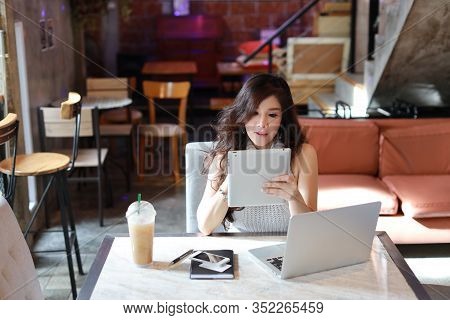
114 276
104 103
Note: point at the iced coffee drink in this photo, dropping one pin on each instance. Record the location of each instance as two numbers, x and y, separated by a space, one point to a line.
141 226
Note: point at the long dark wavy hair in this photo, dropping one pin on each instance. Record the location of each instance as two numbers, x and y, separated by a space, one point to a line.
230 127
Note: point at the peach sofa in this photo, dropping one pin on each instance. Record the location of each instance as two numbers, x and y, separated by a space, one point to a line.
404 163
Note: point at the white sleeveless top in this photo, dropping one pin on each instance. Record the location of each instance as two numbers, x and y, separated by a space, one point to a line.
268 218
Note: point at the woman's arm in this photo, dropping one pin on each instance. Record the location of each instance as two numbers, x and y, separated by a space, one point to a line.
299 189
307 181
213 206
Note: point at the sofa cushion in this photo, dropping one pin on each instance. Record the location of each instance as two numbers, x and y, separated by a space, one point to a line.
384 124
404 230
340 190
343 146
422 196
415 150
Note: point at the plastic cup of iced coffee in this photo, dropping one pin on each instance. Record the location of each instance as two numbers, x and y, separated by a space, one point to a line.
141 226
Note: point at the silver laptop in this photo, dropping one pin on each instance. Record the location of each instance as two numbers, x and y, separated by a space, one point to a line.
324 240
249 169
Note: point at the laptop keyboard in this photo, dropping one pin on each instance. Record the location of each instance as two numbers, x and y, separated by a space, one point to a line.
277 262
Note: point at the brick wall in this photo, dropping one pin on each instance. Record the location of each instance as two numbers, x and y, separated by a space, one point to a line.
243 20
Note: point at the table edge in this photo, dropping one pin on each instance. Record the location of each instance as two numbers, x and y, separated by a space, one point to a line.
97 266
193 63
403 267
86 104
94 273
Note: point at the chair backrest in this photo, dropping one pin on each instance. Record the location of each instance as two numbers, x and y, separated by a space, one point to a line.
18 277
196 181
55 127
167 90
9 128
107 87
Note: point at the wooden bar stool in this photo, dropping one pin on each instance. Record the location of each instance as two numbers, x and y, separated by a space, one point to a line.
55 167
155 90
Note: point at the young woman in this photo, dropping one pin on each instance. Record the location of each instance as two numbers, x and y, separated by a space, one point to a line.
262 116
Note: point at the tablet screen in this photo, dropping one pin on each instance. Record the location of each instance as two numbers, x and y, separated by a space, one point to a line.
248 170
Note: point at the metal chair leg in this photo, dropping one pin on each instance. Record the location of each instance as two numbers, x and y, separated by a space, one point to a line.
100 194
109 201
59 184
68 205
47 213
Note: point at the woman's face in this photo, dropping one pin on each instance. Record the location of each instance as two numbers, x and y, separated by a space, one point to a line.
263 126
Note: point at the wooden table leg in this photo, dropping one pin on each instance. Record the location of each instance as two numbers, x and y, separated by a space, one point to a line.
175 159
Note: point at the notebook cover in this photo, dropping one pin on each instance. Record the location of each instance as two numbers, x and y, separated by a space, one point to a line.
198 272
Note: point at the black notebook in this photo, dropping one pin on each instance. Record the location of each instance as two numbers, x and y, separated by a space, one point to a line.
198 272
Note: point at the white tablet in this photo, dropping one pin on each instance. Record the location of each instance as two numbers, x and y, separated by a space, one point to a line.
248 170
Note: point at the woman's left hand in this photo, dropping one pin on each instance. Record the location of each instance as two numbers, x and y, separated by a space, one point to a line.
284 186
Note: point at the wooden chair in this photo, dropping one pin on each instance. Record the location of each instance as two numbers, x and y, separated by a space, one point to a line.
55 166
159 91
9 128
52 126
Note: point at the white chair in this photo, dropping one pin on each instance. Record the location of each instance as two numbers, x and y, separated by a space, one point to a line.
18 277
196 182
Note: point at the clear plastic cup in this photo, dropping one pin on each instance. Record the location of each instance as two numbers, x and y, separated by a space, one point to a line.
141 226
